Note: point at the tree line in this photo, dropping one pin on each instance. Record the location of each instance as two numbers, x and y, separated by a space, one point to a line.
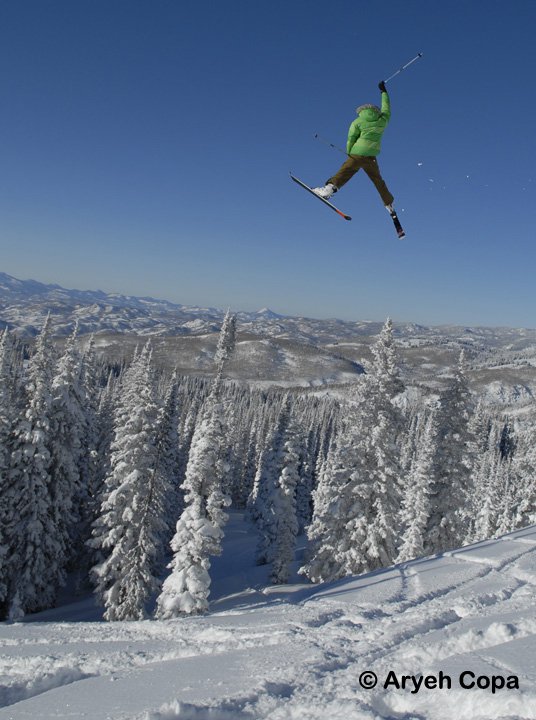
122 476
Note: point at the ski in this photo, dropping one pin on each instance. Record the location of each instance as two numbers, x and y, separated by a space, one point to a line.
330 205
398 226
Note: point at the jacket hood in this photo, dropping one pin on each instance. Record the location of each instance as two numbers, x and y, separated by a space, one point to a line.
368 112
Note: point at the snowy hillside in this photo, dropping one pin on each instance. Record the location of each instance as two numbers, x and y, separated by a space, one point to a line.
296 651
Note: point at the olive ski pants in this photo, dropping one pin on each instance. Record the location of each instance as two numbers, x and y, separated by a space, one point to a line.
370 166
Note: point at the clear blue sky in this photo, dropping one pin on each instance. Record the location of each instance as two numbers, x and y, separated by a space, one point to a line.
145 149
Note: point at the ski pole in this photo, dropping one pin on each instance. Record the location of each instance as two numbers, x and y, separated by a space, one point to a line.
331 145
404 67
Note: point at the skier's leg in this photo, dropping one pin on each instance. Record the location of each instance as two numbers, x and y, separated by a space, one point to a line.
347 170
373 171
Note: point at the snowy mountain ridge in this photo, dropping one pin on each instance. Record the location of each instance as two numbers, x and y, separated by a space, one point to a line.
25 303
272 348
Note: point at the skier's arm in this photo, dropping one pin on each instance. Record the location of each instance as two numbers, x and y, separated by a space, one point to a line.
353 133
386 106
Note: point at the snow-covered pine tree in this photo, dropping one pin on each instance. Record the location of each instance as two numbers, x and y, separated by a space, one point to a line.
305 484
35 551
415 422
131 525
485 516
11 361
451 490
266 487
484 503
286 521
200 528
382 448
509 500
247 475
224 351
108 401
226 344
415 511
192 403
6 410
6 420
67 430
326 434
167 443
266 429
357 499
507 441
86 501
89 463
329 432
336 506
239 419
524 467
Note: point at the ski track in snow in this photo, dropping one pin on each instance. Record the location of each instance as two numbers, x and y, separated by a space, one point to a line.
294 652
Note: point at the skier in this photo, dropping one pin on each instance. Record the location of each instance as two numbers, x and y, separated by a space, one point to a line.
362 147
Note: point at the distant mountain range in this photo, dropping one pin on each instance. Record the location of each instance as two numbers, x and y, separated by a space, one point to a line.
274 348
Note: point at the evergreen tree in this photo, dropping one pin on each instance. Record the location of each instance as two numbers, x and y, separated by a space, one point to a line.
486 458
305 483
35 551
451 490
381 447
357 500
106 409
486 501
339 501
89 461
167 443
275 510
6 420
6 412
507 443
286 521
67 429
247 476
506 492
226 343
266 488
200 528
524 468
268 450
415 512
131 525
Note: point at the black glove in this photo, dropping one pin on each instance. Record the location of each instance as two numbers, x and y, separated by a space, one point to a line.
382 87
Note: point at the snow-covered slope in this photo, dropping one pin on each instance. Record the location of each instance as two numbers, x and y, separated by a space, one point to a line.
298 651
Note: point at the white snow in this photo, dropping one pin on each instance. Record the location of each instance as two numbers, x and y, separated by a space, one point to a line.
297 651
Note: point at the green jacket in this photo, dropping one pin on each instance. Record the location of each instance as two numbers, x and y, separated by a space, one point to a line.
365 133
